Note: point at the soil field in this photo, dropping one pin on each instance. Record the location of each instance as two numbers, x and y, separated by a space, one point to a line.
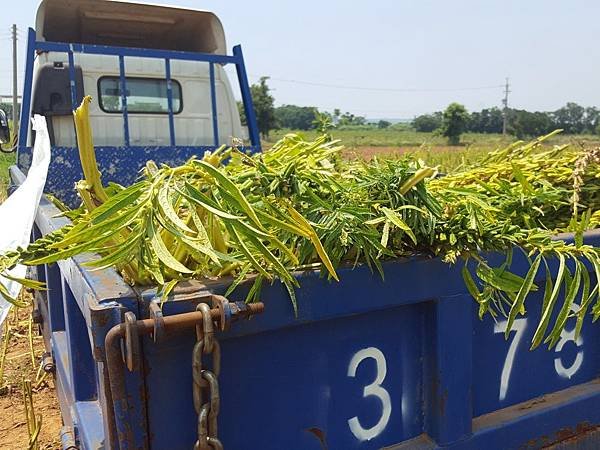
18 366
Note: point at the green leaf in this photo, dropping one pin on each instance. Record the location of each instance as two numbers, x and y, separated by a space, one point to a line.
200 199
9 298
168 211
548 288
54 256
285 250
109 227
166 289
385 234
241 277
26 282
563 315
163 253
595 260
470 283
549 304
586 299
201 243
314 238
281 224
502 279
246 251
519 302
269 256
419 176
292 293
249 228
151 264
375 221
254 291
393 217
230 187
123 253
126 197
521 179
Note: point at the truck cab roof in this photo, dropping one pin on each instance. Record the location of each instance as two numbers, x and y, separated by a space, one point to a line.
127 24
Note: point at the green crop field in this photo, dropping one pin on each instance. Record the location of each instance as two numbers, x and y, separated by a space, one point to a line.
402 136
366 142
374 137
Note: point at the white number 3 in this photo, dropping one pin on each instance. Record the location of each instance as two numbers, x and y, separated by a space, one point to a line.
374 389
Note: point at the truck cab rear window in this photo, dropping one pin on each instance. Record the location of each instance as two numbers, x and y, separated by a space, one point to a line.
144 95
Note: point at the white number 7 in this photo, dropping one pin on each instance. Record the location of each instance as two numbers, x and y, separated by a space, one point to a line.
519 326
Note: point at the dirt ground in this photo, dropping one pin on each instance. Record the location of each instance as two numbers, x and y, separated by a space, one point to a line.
14 434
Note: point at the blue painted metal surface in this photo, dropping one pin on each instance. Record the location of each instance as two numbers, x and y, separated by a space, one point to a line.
27 83
213 104
72 84
46 46
246 96
170 102
123 86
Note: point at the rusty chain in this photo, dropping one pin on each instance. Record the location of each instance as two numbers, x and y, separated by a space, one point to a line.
206 381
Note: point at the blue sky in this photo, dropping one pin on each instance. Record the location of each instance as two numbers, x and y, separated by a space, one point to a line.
548 48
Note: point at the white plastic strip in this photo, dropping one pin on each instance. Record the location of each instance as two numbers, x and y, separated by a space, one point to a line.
18 211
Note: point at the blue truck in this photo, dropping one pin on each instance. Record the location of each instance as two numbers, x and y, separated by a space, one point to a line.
366 364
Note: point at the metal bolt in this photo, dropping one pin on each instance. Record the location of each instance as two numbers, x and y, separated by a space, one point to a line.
48 363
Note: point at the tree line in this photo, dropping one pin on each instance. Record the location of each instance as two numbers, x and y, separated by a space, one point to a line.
270 117
455 120
571 118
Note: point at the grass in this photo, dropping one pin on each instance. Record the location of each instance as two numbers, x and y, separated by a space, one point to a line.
401 137
6 160
392 137
449 159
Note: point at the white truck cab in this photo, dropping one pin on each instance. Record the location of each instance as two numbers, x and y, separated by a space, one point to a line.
125 24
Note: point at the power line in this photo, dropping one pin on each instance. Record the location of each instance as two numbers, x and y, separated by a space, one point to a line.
357 109
386 89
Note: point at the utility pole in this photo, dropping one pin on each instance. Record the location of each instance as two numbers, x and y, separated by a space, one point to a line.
505 109
15 106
